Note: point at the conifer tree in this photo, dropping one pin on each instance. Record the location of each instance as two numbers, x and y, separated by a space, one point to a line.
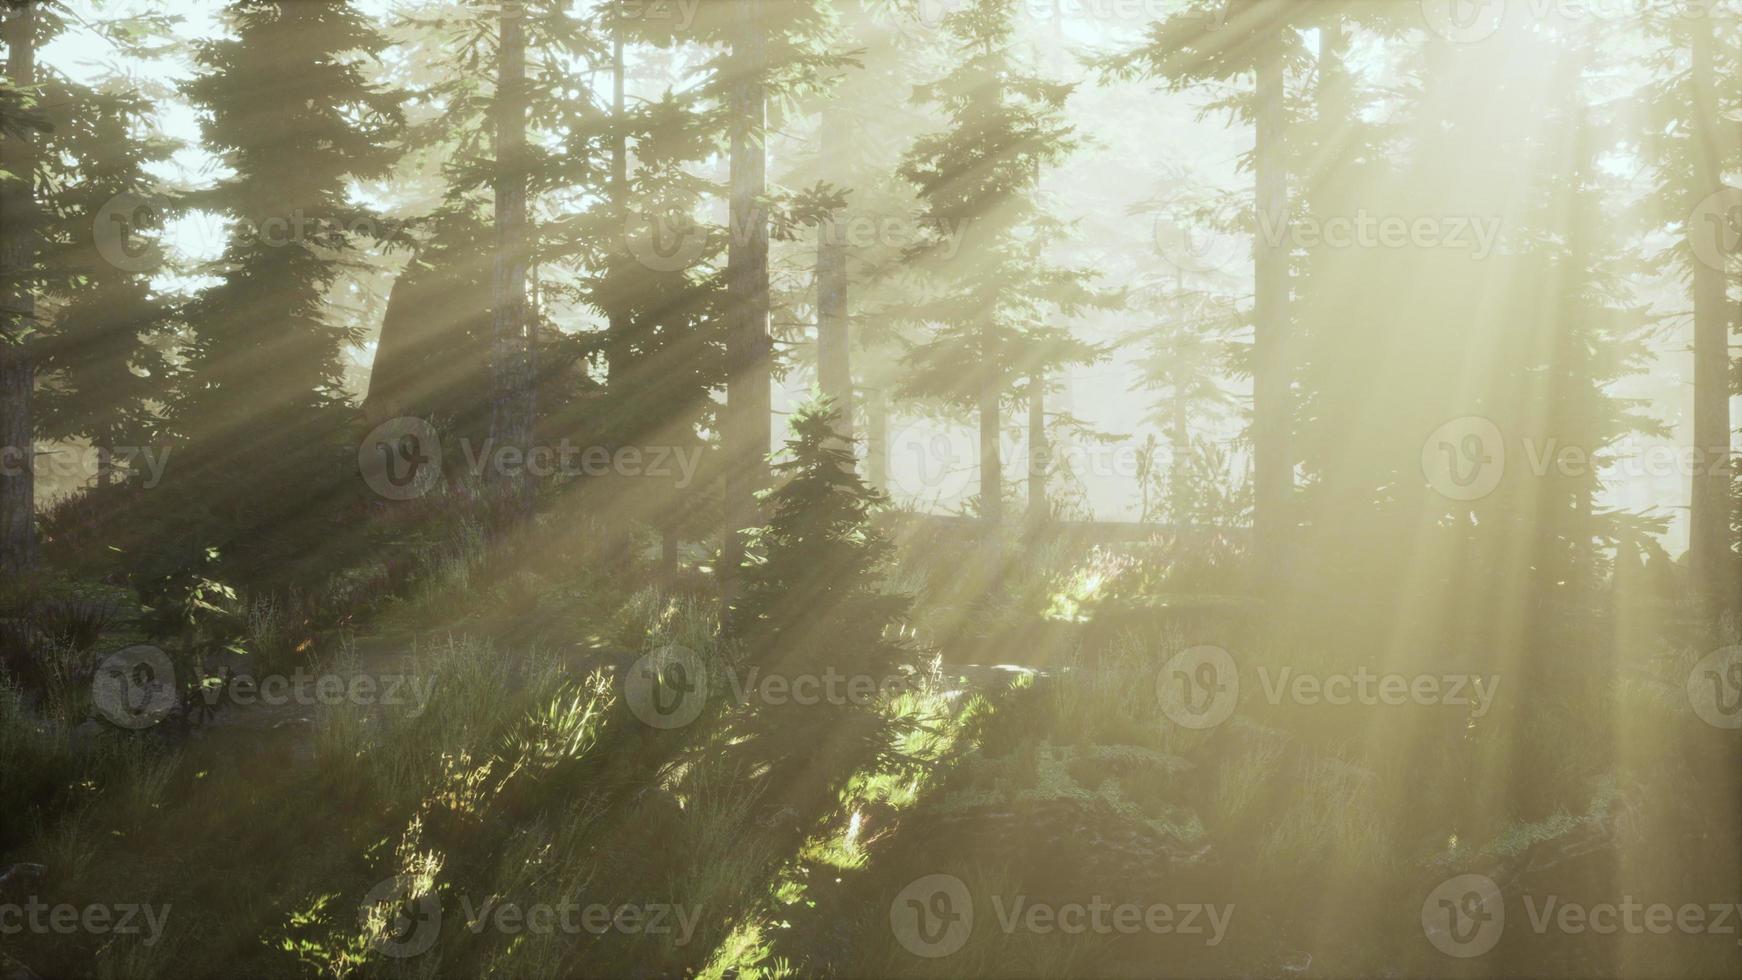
1691 89
286 102
811 605
993 308
104 369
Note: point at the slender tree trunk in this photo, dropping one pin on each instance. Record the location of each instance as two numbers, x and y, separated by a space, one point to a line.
877 441
668 544
834 333
1273 467
512 407
617 320
991 464
105 463
18 546
1039 453
749 351
1710 544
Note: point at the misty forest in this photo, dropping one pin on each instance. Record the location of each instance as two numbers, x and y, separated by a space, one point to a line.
870 488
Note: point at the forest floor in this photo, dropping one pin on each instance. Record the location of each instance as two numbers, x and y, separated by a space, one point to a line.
1299 840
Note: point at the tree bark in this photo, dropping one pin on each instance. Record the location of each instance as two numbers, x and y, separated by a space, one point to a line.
749 351
991 465
18 544
1710 554
1273 466
1039 453
877 441
512 406
617 320
834 332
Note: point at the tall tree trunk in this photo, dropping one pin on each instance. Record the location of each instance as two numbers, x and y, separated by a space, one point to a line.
991 464
877 441
834 333
1039 453
1273 467
105 462
749 351
512 407
1710 542
617 320
18 547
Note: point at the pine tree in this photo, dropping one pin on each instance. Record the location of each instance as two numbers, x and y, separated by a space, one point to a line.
104 368
993 310
512 403
286 102
1692 88
812 604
